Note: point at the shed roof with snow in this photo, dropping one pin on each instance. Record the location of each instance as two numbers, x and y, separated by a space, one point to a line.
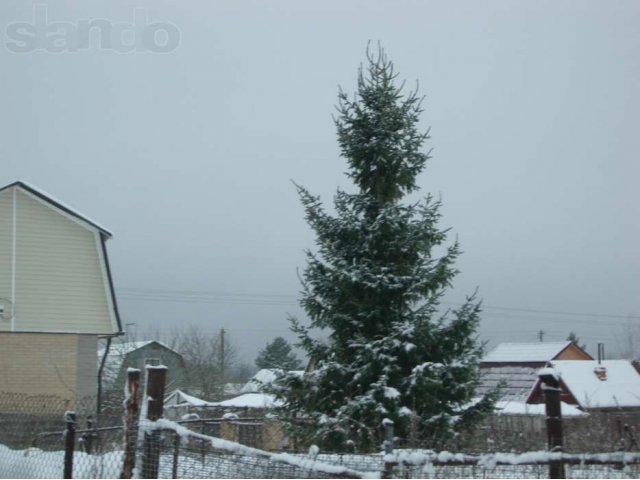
605 385
534 353
250 400
265 377
178 398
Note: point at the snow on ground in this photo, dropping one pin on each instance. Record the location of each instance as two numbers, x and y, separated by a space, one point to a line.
36 463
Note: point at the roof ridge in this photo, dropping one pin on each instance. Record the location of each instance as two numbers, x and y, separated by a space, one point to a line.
55 202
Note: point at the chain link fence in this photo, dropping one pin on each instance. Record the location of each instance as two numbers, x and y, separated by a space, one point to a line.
32 437
48 437
597 432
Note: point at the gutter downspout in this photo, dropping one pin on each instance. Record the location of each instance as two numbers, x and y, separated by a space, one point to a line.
101 369
13 261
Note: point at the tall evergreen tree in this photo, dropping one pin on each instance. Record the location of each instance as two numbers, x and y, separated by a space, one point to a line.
278 355
575 339
374 287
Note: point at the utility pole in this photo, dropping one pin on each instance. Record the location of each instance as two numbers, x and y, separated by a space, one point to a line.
222 357
541 335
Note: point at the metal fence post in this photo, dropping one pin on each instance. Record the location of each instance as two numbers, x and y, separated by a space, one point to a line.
90 436
389 461
156 378
176 455
131 414
551 388
69 443
202 444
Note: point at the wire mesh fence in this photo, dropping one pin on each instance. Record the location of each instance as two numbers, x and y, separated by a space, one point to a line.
50 437
597 432
184 452
180 459
32 437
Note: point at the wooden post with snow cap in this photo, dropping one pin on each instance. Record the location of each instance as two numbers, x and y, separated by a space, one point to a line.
156 378
551 388
131 416
389 460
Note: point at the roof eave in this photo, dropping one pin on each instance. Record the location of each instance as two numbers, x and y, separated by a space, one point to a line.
49 199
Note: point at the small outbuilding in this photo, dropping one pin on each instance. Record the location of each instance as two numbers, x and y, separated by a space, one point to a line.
123 356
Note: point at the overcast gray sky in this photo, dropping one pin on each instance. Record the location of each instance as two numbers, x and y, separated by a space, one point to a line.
187 156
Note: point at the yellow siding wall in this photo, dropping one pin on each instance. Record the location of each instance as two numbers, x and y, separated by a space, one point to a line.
48 364
6 229
59 282
87 367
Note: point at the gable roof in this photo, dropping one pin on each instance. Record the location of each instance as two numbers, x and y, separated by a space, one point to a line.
124 348
178 398
117 354
526 352
57 204
620 388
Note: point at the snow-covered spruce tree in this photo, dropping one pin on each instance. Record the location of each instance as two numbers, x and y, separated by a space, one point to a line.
278 355
374 287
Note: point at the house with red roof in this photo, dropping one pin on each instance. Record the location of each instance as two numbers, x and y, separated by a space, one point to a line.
586 384
514 366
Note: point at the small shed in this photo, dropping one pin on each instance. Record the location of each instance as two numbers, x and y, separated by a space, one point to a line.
123 356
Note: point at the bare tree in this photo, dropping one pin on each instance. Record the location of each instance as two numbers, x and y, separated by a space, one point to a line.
629 341
208 357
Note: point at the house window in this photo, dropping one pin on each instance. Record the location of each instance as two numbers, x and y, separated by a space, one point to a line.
152 361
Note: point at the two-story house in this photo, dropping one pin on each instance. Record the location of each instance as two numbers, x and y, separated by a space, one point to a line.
56 295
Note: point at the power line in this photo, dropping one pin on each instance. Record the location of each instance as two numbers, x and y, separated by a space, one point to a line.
551 312
199 296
